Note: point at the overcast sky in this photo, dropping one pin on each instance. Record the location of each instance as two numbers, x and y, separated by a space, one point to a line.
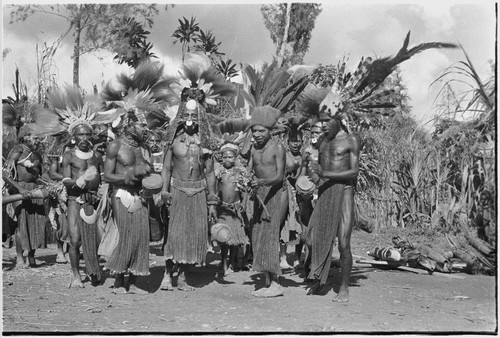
352 29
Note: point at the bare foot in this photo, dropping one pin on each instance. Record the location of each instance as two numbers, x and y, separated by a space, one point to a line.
135 290
181 285
76 282
228 271
94 281
273 291
318 289
60 258
119 290
341 297
20 266
284 264
259 293
166 285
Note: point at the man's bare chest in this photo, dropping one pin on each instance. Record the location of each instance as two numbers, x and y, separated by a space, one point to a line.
182 150
81 164
130 155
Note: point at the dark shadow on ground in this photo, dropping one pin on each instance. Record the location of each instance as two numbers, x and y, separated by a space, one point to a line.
8 264
334 278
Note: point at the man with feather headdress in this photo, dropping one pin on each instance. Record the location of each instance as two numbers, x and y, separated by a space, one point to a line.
136 98
24 164
349 99
267 162
72 115
188 174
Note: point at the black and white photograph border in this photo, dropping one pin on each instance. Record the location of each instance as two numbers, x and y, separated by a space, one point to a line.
423 238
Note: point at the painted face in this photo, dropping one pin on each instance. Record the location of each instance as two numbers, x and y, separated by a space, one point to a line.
295 144
228 159
154 143
261 134
316 131
82 138
190 117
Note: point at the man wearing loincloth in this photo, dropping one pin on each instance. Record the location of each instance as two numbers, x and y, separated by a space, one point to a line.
81 171
187 178
337 167
230 188
24 164
124 169
267 162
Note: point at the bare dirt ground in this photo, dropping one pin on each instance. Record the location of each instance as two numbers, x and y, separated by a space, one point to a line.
38 300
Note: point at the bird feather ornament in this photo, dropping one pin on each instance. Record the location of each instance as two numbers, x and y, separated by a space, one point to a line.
356 96
147 91
274 87
352 95
68 108
200 84
197 72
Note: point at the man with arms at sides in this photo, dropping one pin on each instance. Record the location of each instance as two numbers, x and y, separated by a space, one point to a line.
187 177
81 171
337 169
124 169
267 162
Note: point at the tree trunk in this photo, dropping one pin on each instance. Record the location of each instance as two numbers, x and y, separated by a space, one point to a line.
284 40
76 53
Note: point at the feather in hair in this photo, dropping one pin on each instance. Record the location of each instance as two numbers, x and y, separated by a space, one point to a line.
353 94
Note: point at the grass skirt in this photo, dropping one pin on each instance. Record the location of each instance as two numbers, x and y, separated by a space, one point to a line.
90 240
266 234
131 254
323 227
62 231
232 219
31 221
187 237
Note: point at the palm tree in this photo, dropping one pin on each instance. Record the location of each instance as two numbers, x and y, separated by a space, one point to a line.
227 68
186 34
208 45
132 46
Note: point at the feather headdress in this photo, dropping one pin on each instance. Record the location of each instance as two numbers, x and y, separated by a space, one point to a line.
199 84
68 109
145 93
276 88
357 96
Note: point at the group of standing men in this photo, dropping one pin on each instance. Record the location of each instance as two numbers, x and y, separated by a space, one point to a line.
198 194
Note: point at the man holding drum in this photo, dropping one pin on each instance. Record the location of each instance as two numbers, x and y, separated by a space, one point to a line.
81 171
124 169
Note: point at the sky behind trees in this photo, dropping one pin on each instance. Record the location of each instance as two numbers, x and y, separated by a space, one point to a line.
343 29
